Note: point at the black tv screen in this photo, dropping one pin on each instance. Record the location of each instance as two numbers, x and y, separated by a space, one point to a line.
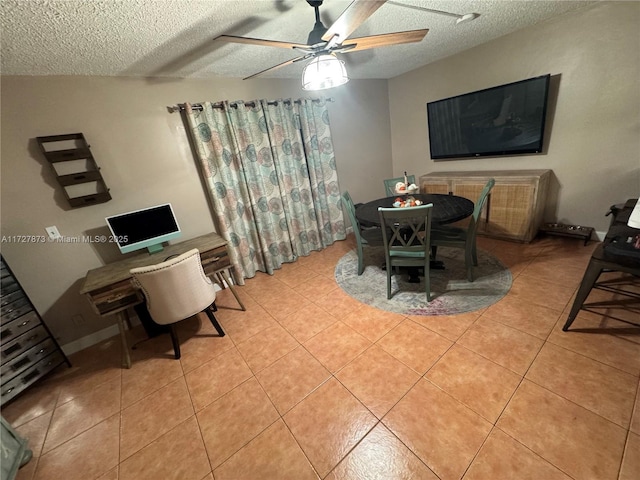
504 120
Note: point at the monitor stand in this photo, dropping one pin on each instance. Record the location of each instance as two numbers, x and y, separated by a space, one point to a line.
155 248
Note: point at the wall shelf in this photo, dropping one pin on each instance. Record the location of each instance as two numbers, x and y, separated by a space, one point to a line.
75 169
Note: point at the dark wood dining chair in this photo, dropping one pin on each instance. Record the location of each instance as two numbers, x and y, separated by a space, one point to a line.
465 238
406 234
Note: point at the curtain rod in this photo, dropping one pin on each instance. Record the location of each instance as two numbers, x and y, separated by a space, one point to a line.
197 106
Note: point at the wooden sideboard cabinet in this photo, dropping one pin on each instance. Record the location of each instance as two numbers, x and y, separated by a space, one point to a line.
28 350
515 208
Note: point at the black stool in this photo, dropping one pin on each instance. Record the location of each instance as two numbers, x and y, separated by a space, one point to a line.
600 262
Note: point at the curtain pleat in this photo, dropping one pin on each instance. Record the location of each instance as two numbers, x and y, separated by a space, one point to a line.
271 177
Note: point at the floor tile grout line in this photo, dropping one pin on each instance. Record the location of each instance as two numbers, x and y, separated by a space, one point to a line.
624 451
590 358
493 425
196 412
305 453
391 408
48 428
626 429
303 398
497 427
81 433
77 434
496 363
524 377
280 416
333 376
379 420
122 386
586 308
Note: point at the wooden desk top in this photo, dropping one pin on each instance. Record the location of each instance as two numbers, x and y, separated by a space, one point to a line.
119 271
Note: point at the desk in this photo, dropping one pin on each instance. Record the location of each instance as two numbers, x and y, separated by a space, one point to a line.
446 208
111 292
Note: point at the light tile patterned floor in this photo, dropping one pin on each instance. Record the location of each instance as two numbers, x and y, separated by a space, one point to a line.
308 383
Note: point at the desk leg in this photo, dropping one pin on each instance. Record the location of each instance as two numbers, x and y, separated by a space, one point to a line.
594 269
123 319
233 289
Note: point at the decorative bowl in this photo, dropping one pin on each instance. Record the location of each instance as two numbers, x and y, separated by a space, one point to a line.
406 202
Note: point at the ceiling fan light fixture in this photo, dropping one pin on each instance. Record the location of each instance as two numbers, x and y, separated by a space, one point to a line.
324 71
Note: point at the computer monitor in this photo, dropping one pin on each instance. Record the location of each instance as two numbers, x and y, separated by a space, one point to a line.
144 228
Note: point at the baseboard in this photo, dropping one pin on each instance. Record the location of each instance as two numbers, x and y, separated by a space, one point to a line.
89 340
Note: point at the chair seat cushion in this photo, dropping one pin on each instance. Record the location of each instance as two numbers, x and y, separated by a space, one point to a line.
408 252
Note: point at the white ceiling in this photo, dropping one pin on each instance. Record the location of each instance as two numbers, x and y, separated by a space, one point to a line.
174 37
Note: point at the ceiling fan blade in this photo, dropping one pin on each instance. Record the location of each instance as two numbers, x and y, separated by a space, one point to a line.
385 39
354 15
275 67
258 41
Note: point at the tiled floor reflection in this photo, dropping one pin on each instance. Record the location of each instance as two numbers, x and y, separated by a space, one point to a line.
308 383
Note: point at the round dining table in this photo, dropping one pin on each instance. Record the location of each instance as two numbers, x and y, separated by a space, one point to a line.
446 208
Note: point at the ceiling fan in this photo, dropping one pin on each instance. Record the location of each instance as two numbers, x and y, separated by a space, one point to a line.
323 43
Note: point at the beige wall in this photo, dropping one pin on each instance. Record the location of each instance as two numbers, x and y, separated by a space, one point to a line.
594 119
145 159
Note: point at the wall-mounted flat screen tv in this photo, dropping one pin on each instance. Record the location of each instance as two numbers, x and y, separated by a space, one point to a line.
504 120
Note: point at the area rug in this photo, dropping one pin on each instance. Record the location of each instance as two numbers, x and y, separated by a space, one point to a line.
451 293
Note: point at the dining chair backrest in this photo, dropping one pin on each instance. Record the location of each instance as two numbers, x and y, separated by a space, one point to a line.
406 230
390 184
351 212
366 236
406 234
482 199
445 236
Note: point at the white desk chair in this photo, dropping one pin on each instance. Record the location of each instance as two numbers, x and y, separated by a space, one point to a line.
176 290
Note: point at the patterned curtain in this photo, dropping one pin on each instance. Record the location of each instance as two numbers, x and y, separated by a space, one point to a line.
271 176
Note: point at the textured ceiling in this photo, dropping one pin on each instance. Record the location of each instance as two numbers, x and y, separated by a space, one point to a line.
174 37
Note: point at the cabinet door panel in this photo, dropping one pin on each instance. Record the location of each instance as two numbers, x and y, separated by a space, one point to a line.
435 187
472 192
468 190
510 210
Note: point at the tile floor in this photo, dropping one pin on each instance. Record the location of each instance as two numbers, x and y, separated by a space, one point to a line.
308 383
